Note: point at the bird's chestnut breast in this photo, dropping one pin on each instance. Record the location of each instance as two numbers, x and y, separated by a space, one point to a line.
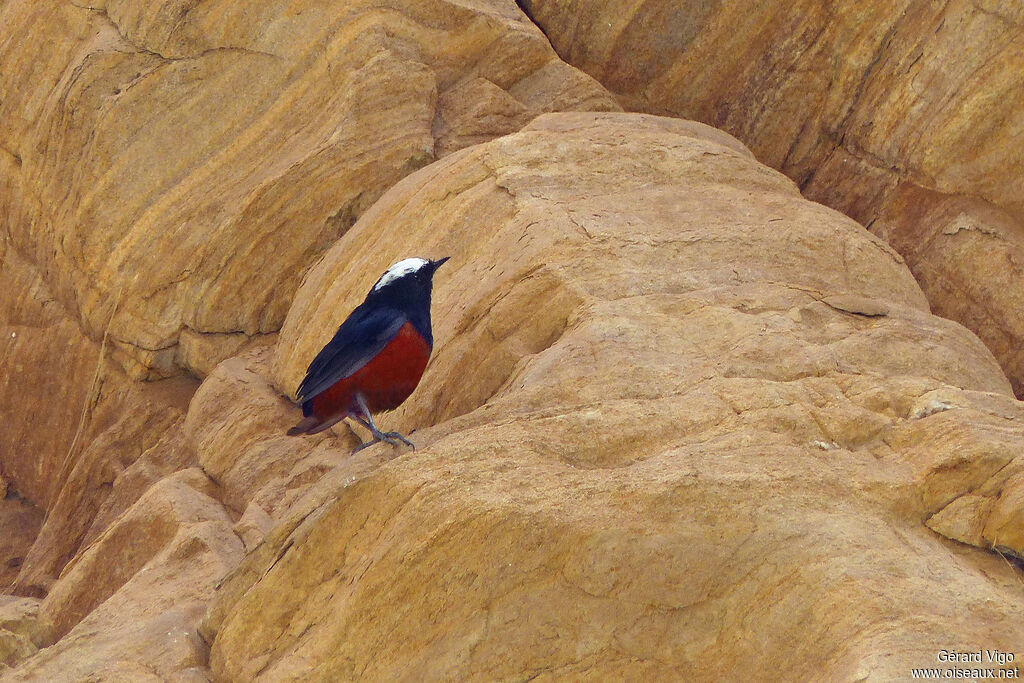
385 381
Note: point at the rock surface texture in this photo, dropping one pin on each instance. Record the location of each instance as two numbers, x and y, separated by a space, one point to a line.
680 422
866 105
169 171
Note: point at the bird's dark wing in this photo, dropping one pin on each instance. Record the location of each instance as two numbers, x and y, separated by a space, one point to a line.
361 337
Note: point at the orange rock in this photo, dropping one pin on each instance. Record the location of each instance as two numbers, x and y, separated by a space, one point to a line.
680 422
21 633
126 424
164 162
863 104
130 602
166 178
20 521
968 257
678 419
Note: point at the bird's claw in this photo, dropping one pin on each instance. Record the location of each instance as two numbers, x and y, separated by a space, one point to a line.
390 437
393 438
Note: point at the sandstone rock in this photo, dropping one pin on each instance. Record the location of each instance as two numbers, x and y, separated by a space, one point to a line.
968 257
680 422
20 522
617 473
21 634
185 154
21 616
126 424
136 538
167 174
72 419
1004 527
863 104
253 526
800 82
237 424
14 647
48 383
200 353
134 617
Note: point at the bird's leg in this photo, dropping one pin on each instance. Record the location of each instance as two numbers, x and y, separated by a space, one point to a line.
362 444
390 437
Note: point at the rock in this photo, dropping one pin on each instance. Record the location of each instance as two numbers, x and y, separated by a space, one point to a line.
21 634
127 422
200 353
20 522
1004 527
128 606
237 423
21 616
679 423
964 519
875 109
931 403
72 420
130 121
968 257
253 526
145 530
167 175
856 305
39 432
991 515
14 647
617 473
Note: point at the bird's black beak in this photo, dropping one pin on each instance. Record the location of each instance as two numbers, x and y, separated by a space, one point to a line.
437 264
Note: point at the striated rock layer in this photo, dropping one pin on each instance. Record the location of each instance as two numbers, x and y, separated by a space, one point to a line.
865 104
169 171
680 423
164 162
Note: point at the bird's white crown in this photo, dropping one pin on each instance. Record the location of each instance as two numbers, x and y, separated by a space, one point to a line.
400 269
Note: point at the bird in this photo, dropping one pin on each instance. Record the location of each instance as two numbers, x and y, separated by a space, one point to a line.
376 357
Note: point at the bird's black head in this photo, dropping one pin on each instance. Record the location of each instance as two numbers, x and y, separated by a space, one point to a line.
406 286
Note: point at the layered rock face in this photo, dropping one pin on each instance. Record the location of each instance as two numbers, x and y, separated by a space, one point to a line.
902 115
690 420
168 173
179 136
680 422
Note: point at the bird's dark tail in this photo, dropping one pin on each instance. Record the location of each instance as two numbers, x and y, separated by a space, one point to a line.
304 426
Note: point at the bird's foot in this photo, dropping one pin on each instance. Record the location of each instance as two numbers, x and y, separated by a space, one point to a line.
366 419
393 438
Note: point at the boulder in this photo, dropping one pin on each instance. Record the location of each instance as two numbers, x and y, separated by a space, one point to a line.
680 423
130 430
127 607
875 109
20 522
967 256
21 633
